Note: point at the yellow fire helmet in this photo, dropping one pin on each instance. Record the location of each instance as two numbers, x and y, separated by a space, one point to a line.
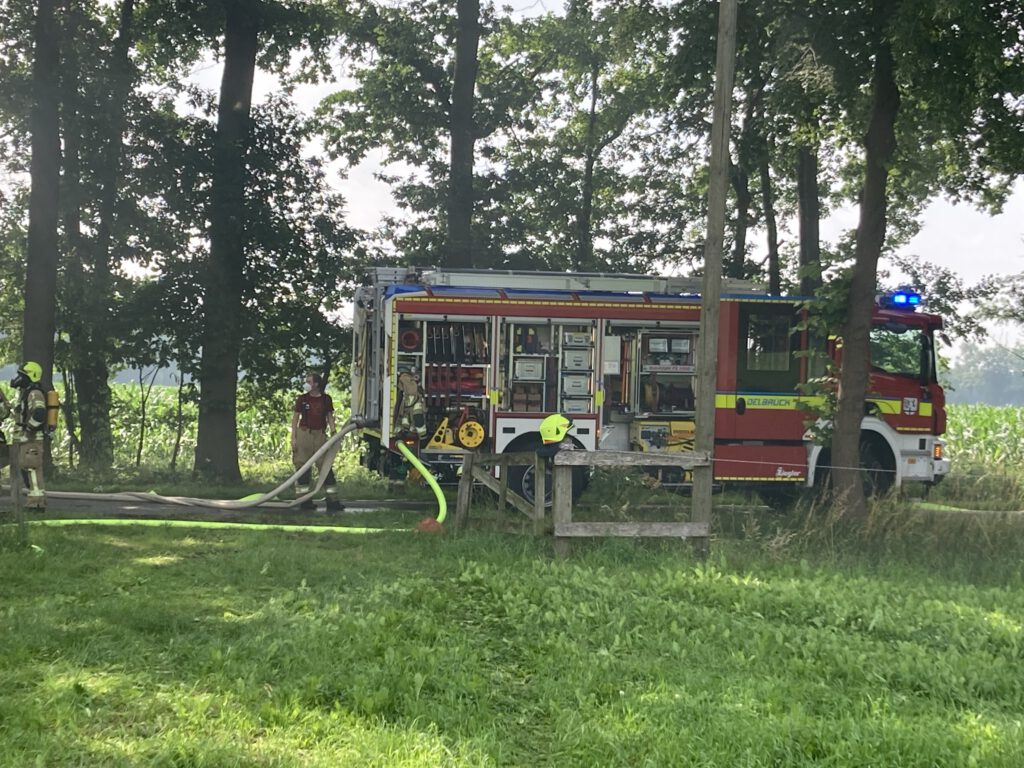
554 428
33 371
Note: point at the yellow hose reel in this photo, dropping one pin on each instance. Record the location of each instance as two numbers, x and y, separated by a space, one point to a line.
471 434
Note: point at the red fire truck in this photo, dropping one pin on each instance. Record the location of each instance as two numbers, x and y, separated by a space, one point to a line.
450 361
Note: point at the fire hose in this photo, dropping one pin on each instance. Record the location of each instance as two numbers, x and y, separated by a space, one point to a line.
326 453
324 457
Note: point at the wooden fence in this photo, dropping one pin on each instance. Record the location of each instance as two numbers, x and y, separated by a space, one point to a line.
477 467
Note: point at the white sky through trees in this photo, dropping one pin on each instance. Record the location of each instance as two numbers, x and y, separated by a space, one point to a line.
959 237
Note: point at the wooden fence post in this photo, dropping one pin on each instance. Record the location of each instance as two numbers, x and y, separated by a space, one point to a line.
562 506
503 487
539 492
465 492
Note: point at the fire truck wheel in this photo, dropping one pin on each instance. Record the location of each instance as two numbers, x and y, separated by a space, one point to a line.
521 477
878 468
371 454
780 496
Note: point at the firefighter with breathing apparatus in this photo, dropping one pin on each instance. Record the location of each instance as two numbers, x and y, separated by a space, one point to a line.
35 417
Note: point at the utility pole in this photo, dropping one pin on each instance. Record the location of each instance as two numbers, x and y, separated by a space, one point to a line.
707 347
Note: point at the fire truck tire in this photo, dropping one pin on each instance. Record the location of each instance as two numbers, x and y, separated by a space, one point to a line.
521 478
876 461
780 496
878 465
371 454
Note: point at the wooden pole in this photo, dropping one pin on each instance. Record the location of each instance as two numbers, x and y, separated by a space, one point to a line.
561 506
503 485
539 492
707 347
465 493
19 508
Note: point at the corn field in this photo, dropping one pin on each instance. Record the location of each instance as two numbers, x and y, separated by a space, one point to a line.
263 432
986 436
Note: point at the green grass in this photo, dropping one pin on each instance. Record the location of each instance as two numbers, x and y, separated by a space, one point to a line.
172 647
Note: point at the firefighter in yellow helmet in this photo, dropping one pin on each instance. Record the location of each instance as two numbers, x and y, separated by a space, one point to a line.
553 430
30 422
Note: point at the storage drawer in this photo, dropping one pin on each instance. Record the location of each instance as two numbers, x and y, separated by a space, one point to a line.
576 405
573 384
529 369
576 339
576 359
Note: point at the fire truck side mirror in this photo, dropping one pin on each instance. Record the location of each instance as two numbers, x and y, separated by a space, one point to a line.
741 405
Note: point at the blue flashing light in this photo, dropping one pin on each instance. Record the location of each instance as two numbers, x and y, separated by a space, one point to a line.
901 299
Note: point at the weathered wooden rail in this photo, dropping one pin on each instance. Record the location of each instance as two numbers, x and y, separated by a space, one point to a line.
477 467
566 529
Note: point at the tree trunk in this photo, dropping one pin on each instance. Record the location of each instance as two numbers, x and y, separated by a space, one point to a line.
217 439
43 206
736 265
94 403
809 214
463 136
772 231
68 411
179 420
88 269
92 366
585 216
739 174
879 145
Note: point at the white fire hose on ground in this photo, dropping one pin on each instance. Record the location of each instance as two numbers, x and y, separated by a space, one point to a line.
326 452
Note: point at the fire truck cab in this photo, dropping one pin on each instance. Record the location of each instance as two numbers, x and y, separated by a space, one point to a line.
451 361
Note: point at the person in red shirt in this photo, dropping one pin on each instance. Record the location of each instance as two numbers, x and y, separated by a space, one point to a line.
312 424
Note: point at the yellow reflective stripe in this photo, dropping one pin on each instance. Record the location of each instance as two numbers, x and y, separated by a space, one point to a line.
768 402
888 407
893 406
762 479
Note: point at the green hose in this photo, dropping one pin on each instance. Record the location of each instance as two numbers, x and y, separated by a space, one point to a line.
442 504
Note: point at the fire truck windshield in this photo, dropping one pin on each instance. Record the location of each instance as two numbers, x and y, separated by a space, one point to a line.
903 350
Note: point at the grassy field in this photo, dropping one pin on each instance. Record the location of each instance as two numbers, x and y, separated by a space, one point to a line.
802 642
170 647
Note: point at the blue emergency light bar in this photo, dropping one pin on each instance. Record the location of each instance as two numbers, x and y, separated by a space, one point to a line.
901 299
